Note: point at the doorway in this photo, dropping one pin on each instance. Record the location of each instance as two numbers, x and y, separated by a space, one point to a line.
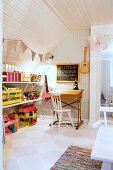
107 78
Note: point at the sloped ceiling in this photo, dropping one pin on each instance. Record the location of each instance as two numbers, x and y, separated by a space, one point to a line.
34 23
42 24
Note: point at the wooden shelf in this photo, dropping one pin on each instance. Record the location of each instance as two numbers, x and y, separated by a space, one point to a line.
28 101
5 82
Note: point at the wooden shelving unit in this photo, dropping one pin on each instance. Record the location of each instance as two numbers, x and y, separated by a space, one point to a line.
5 82
23 102
28 101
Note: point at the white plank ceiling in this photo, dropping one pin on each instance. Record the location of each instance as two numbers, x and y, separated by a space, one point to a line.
42 24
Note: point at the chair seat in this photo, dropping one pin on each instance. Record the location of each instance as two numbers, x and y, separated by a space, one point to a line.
56 100
63 110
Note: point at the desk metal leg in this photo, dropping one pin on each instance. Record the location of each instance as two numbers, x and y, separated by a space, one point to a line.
79 122
78 111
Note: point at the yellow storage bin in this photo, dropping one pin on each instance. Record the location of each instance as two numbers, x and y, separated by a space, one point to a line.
11 97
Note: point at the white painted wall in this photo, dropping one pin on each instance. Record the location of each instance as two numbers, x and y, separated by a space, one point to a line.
95 72
1 146
71 50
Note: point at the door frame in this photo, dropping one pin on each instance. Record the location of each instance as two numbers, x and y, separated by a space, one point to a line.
1 118
95 66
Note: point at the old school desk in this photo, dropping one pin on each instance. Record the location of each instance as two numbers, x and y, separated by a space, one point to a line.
74 96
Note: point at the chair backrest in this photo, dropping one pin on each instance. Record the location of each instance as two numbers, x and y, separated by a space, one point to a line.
56 100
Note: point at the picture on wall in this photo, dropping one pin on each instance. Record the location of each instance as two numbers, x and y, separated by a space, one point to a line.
68 72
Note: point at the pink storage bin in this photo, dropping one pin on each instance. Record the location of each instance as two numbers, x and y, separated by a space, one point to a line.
16 76
4 77
12 77
9 78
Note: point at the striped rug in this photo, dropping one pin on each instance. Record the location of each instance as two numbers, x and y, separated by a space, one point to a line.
76 158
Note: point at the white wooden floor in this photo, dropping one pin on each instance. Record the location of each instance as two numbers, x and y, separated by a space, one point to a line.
38 147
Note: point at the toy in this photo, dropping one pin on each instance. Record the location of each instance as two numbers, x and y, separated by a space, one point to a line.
24 98
16 125
9 125
11 97
35 78
24 77
75 85
32 95
14 117
27 115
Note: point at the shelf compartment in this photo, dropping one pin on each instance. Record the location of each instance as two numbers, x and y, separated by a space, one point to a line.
11 97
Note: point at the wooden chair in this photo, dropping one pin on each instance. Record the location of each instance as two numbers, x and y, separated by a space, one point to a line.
58 110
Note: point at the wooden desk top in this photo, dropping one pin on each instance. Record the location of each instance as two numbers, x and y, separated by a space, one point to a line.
103 147
68 94
68 91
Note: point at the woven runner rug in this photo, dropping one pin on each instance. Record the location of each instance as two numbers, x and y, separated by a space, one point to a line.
76 158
